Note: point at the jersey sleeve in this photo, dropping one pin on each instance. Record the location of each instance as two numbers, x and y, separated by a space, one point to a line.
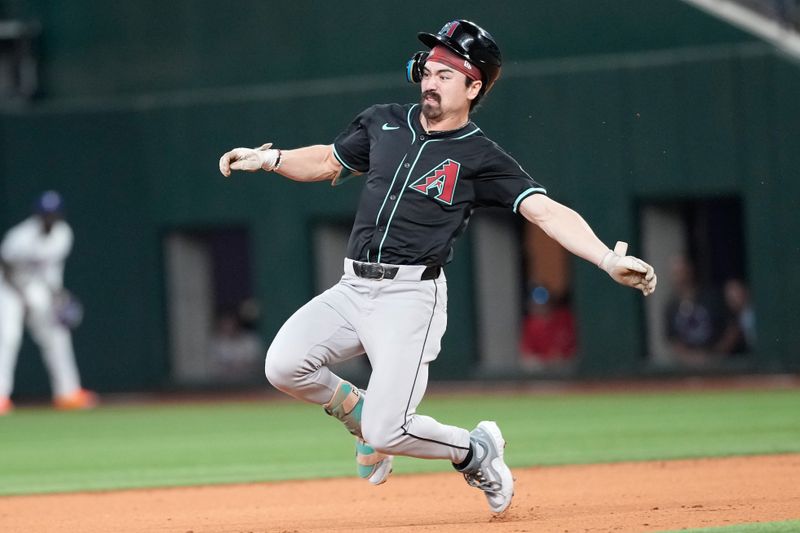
502 182
16 247
351 147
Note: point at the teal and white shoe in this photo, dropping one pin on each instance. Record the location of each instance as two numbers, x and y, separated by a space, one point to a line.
487 470
373 466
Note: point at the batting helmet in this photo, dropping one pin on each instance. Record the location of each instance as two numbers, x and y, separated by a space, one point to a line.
467 40
48 202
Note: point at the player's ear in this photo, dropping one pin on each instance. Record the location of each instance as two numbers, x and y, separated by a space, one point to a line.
474 89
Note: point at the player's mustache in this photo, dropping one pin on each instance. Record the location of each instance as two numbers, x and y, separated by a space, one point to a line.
432 95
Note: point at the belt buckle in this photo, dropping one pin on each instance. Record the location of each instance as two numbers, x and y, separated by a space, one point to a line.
381 269
374 271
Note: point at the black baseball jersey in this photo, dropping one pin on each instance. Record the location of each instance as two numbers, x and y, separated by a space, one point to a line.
421 187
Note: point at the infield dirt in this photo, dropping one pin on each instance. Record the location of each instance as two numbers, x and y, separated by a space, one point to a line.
621 497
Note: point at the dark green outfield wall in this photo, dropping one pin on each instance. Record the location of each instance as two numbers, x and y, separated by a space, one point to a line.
655 101
147 45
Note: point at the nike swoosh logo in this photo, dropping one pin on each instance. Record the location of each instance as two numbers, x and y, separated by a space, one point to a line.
387 127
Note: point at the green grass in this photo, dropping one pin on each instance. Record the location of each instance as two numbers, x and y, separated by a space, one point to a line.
162 445
793 526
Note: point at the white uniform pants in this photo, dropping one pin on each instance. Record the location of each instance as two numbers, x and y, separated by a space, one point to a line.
399 323
54 340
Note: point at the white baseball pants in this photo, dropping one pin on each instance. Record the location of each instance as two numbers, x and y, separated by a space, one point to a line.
399 324
54 340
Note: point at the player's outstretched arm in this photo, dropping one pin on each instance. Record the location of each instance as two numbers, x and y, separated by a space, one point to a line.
312 163
571 231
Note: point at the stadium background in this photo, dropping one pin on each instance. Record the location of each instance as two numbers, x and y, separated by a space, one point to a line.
621 107
610 104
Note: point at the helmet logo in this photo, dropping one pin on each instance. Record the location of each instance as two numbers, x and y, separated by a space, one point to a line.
467 65
449 28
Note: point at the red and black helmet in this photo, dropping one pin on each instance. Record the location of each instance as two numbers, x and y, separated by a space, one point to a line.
471 42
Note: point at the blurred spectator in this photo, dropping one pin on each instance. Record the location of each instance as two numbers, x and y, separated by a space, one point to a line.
789 13
739 335
32 256
249 313
548 338
236 353
694 316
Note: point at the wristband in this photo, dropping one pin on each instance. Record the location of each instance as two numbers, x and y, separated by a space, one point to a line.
604 260
271 158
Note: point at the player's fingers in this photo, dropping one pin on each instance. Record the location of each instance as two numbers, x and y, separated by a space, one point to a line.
621 248
649 272
244 163
233 160
225 164
642 267
639 283
632 264
648 286
651 285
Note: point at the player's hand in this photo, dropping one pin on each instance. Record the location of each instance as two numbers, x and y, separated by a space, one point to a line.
249 159
629 270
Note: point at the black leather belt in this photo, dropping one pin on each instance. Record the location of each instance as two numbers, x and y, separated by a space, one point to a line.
379 271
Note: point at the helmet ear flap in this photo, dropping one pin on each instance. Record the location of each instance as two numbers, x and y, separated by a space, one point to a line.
414 67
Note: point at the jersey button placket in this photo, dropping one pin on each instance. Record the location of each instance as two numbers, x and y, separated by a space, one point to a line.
378 236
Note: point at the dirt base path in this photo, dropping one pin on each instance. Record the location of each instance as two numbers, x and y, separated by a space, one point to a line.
625 497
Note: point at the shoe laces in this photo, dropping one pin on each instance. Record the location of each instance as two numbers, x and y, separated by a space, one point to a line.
478 480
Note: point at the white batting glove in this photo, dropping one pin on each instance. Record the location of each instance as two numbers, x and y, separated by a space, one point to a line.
250 159
629 270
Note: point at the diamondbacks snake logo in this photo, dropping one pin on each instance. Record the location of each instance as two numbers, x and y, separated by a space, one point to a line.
439 183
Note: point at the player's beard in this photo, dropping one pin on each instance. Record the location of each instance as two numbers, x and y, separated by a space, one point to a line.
431 111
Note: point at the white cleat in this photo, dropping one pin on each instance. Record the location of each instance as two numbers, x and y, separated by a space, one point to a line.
487 470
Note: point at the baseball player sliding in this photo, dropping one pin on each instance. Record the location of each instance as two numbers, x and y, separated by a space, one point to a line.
426 167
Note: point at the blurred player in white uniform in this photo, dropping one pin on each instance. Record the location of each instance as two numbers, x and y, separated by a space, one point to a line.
32 256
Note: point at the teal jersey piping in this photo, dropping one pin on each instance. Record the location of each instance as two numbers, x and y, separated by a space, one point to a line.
527 192
408 176
396 172
408 119
339 158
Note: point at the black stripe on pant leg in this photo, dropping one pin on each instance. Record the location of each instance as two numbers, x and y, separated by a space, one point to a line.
421 355
435 441
419 364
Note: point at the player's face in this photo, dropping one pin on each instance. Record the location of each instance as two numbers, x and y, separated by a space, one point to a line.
444 91
49 220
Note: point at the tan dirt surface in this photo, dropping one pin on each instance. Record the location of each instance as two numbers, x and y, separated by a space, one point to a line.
622 497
